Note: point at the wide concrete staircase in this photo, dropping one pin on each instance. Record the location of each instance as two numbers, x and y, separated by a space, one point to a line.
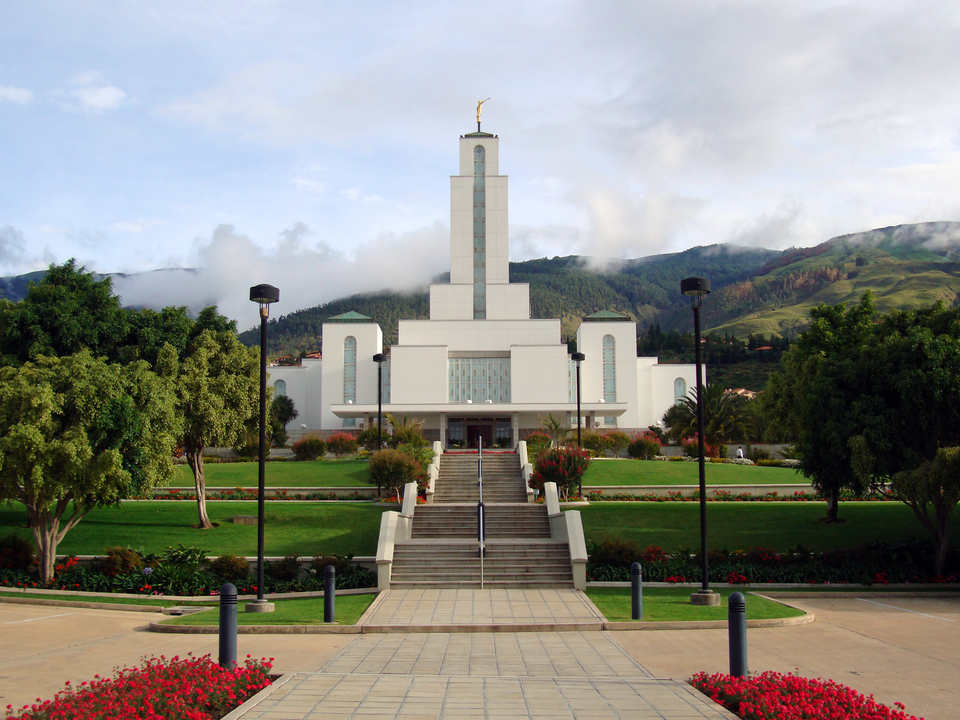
443 551
502 481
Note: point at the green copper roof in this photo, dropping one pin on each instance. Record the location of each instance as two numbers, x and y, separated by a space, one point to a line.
350 317
607 316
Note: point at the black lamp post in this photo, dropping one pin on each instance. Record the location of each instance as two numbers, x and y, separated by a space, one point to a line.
379 359
263 295
696 288
578 357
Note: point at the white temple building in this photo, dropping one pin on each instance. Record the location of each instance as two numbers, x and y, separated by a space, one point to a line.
480 366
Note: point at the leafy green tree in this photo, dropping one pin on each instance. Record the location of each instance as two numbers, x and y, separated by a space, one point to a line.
77 433
934 486
217 386
67 311
822 396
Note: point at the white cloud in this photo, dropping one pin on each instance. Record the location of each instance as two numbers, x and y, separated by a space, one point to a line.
88 93
229 263
20 96
12 244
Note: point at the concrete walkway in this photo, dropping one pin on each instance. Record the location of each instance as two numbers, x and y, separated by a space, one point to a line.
896 649
452 610
515 675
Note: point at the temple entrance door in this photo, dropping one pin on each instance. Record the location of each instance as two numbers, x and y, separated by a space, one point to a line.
480 431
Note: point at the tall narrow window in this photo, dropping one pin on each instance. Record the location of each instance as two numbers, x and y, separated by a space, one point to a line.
281 387
609 374
479 233
679 390
349 376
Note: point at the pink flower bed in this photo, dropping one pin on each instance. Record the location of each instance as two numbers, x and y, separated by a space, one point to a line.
772 696
188 689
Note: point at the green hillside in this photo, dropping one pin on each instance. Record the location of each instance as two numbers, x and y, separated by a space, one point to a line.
562 287
905 266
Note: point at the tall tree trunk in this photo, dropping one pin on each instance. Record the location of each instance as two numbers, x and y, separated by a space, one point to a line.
194 455
47 534
942 539
833 505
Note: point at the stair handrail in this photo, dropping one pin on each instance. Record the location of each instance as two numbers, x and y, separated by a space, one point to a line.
480 465
481 508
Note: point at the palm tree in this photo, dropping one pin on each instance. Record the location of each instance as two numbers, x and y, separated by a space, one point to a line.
726 417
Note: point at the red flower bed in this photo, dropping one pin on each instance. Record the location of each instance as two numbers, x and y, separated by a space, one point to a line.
189 689
772 696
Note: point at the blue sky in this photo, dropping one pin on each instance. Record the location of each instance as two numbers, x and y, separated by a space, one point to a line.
309 145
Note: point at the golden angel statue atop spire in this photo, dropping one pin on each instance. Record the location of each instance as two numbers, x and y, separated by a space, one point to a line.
480 110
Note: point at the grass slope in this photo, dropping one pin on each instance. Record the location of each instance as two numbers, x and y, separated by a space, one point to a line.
639 472
673 604
294 611
323 528
354 473
289 473
304 528
741 526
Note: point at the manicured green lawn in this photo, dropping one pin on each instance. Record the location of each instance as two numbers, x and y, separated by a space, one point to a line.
672 604
651 472
289 473
304 528
295 611
308 528
741 526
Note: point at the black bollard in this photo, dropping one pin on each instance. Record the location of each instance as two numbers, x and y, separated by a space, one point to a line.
737 629
228 626
636 591
329 594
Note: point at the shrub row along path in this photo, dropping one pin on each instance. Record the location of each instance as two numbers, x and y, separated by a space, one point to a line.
897 649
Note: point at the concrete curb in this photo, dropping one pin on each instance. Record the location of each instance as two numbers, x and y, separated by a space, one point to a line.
250 703
258 629
82 604
479 628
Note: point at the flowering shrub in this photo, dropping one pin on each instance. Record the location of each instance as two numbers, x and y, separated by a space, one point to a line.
691 448
309 448
341 444
563 466
773 696
192 689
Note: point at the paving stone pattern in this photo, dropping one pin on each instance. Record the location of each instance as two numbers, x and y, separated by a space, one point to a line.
482 675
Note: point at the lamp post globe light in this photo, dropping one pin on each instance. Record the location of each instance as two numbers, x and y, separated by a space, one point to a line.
263 295
379 359
578 357
695 288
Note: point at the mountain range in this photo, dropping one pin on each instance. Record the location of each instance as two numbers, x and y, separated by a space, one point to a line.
754 289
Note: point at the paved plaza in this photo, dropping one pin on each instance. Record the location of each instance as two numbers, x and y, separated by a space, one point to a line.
895 648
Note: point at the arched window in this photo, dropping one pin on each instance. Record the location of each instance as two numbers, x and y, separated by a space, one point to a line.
281 387
349 375
679 390
609 374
